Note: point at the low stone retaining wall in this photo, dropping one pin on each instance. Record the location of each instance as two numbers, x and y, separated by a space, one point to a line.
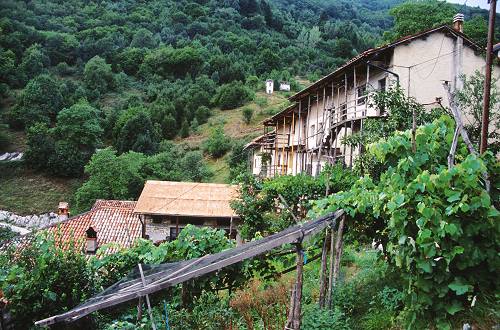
30 221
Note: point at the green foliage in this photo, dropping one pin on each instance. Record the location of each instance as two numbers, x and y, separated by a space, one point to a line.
261 209
122 177
323 319
137 133
34 61
247 114
167 61
217 143
400 111
438 225
470 102
40 101
41 280
66 148
98 76
40 145
413 17
238 159
232 95
6 233
5 138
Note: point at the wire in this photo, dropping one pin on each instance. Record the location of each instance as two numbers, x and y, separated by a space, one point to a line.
436 61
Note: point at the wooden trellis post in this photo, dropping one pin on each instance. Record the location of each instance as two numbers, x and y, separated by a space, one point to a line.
323 279
293 321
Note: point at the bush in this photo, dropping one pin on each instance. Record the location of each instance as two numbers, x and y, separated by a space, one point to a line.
315 318
217 144
247 114
41 280
232 95
438 225
4 138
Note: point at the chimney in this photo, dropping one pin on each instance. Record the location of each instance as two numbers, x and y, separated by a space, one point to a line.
458 22
91 246
63 210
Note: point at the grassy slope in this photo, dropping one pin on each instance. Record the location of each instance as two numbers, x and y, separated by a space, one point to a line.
263 106
25 192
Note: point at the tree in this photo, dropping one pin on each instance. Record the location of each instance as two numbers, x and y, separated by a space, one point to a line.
413 17
41 279
98 76
137 132
437 224
77 134
40 101
111 177
232 95
34 61
217 144
185 129
476 28
39 146
470 101
143 38
130 59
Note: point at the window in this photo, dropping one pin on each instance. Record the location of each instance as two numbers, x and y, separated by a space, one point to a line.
343 111
157 218
382 84
313 130
361 94
174 233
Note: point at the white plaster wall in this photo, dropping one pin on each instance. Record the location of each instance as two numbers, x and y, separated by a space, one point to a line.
432 60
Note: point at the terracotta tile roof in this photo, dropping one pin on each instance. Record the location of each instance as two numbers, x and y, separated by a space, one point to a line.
114 222
186 199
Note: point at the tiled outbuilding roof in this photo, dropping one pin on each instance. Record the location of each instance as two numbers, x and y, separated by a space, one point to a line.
114 222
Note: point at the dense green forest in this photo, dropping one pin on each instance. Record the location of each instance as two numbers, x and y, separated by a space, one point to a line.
77 76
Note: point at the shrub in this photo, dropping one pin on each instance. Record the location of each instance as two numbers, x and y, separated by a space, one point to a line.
4 137
323 319
438 224
232 95
41 280
217 144
247 114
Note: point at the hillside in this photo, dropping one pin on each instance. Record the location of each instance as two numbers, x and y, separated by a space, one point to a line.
77 76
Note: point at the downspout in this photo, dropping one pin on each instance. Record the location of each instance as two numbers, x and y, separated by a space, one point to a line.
385 70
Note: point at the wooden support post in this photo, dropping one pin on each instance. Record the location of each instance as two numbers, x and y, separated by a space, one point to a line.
338 251
276 139
292 137
323 271
332 265
283 155
298 167
153 326
139 309
293 322
306 132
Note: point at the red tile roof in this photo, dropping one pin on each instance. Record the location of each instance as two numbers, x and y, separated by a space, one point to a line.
114 222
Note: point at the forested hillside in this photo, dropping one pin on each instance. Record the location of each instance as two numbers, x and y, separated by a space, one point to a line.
77 76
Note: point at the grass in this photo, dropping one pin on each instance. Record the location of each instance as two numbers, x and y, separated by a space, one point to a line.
232 120
26 192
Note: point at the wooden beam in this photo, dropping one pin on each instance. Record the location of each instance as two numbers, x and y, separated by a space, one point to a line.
249 250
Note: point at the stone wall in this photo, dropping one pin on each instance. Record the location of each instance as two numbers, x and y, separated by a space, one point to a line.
30 221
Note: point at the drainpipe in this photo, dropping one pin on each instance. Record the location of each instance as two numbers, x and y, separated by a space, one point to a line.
383 69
